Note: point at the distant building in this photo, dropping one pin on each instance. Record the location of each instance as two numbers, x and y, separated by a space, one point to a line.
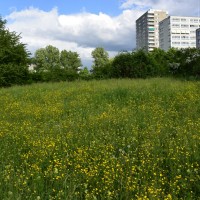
198 38
178 32
147 29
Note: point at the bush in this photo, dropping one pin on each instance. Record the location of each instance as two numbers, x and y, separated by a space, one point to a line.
134 65
13 58
11 74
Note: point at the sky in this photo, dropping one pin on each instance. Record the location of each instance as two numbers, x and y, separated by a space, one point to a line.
83 25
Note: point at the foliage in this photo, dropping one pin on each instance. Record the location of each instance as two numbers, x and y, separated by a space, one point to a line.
103 72
139 64
100 57
47 59
13 57
70 60
85 74
143 66
51 65
101 63
161 59
12 73
136 64
122 65
187 62
113 139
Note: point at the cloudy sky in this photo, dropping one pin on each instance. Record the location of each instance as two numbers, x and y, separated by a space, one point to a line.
82 25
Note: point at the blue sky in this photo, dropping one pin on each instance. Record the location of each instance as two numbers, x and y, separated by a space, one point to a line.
110 7
83 25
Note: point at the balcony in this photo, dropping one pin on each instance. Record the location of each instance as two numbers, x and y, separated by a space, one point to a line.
152 29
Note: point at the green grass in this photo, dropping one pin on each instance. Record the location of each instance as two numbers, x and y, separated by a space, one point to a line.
114 139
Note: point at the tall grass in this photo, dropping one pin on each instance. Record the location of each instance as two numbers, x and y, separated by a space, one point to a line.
114 139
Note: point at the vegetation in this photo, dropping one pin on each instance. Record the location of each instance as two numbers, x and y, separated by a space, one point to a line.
114 139
52 65
158 63
135 64
101 62
13 58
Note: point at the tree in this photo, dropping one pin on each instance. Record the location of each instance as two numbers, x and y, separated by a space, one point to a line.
135 64
122 65
47 59
47 64
14 58
100 57
160 57
51 65
101 60
85 74
70 60
185 62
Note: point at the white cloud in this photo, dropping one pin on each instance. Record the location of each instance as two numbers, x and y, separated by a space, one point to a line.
174 7
136 4
80 32
84 31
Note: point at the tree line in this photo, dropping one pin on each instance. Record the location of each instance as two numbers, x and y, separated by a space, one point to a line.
49 64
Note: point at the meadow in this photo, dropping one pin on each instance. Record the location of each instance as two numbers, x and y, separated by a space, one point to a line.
94 140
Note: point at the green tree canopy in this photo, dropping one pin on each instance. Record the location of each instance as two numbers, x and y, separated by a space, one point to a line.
100 57
47 59
14 58
101 66
53 65
161 59
184 62
84 74
136 64
70 60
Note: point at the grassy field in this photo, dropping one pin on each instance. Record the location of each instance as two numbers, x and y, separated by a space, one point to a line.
114 139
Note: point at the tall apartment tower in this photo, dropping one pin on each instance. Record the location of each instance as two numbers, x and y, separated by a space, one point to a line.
178 32
198 38
147 29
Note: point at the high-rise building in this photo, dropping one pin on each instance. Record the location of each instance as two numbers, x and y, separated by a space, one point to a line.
178 32
198 38
147 30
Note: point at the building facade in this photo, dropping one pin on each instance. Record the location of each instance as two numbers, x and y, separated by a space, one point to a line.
178 32
198 38
147 29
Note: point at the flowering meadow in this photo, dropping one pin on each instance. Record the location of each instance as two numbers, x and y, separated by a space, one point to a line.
94 140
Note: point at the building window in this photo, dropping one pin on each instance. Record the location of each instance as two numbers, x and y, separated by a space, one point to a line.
184 37
176 43
175 36
176 25
192 25
183 20
184 25
185 43
175 19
